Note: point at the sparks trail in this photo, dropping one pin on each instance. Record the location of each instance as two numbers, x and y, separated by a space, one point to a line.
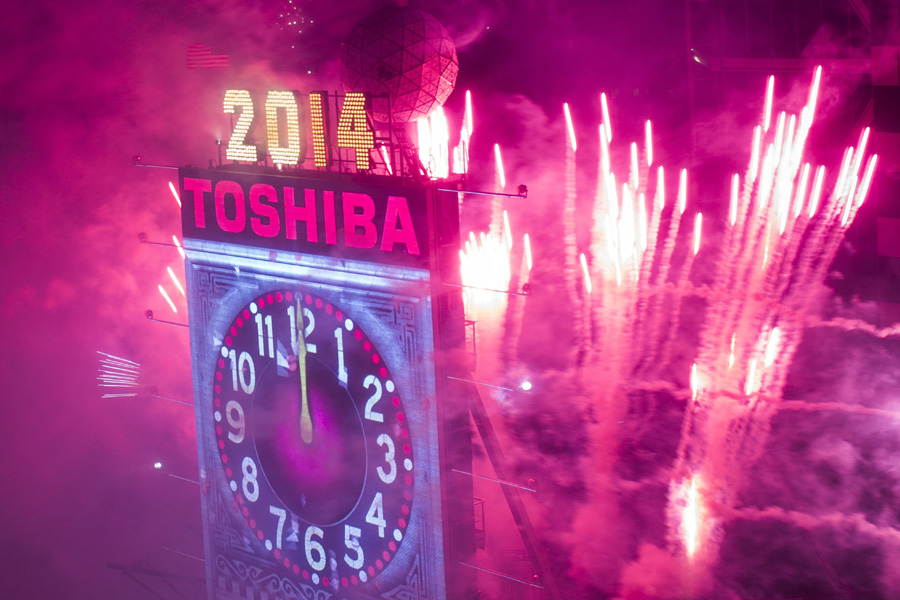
630 286
118 374
808 521
761 300
799 405
862 326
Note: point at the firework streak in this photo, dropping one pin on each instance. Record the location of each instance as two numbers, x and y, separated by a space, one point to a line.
785 222
782 233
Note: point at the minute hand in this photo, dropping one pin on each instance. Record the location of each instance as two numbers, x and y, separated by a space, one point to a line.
306 433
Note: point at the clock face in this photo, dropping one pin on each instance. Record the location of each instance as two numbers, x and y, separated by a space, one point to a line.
313 439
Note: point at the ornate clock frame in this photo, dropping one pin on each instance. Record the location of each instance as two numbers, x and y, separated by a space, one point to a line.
399 298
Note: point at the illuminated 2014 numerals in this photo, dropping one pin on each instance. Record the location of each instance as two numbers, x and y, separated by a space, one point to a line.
331 505
353 131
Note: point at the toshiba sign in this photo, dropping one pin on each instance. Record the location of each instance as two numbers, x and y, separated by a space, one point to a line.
362 221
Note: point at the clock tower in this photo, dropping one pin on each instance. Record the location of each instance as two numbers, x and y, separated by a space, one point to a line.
322 331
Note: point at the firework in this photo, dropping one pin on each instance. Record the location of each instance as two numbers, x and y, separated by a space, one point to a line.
175 193
781 233
498 162
119 374
165 295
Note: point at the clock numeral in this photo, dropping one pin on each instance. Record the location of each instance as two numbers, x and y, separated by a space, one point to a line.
282 517
351 541
234 414
353 129
262 338
292 313
370 413
375 516
290 154
243 371
237 149
341 369
389 477
248 468
312 545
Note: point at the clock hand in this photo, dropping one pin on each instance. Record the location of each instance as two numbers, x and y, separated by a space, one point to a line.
306 433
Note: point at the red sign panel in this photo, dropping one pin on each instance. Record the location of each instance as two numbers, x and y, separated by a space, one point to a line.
368 222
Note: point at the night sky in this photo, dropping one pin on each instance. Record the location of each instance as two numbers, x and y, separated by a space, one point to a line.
87 86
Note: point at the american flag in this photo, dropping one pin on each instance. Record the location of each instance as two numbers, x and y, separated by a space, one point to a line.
200 56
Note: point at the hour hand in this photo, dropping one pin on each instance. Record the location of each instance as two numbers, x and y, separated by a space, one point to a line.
306 433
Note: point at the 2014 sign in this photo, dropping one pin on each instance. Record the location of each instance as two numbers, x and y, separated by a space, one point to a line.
353 131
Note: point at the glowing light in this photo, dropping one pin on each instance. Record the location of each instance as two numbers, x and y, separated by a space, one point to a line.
789 136
814 91
634 173
485 269
317 124
498 160
470 123
843 173
434 138
633 244
698 226
606 122
816 191
386 158
570 127
526 386
642 222
587 275
773 347
682 192
626 226
770 92
690 520
779 134
661 188
857 160
440 135
695 382
458 162
766 176
848 202
528 260
461 150
733 205
290 154
117 372
178 246
648 142
613 196
174 193
801 190
751 377
157 465
731 356
175 280
237 149
867 179
507 233
753 170
166 296
604 151
353 129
